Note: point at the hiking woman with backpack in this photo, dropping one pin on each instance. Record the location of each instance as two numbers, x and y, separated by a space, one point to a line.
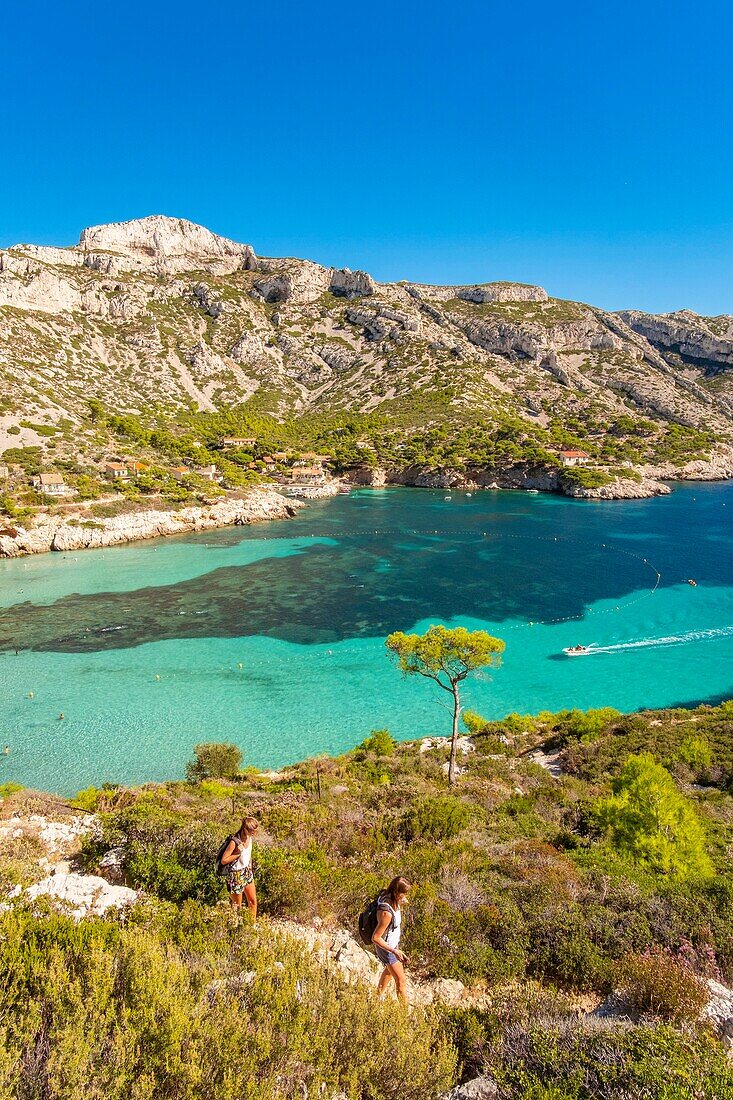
236 864
386 937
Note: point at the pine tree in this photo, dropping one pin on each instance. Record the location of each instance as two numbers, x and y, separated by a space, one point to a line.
447 657
651 822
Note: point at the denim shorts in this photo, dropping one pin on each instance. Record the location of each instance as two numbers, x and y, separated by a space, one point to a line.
387 957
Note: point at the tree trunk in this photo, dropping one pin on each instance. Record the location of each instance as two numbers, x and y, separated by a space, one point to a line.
454 738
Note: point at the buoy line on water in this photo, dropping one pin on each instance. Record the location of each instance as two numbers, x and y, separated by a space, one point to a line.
445 532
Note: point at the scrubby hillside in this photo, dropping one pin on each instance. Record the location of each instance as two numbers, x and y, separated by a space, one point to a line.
190 336
567 863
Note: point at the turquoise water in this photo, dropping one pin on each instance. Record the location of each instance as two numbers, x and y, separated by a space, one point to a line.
273 636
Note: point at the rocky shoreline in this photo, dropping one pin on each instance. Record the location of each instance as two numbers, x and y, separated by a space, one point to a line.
649 482
61 533
540 479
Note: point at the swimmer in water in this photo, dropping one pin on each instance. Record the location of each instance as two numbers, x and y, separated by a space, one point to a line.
61 716
6 750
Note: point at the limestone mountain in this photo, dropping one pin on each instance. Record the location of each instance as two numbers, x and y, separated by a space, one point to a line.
158 316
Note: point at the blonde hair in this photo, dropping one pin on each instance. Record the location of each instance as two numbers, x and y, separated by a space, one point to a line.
248 827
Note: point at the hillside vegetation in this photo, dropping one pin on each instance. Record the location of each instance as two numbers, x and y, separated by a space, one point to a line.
155 338
541 890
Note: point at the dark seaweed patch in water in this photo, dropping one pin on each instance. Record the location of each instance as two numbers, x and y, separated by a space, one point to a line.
365 586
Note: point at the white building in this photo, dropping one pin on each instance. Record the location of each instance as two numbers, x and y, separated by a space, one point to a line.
52 485
574 458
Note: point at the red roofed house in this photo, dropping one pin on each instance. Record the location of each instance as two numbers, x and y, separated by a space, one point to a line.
574 458
116 471
135 468
308 475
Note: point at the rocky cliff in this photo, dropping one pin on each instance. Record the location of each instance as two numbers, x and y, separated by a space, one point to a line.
161 314
705 343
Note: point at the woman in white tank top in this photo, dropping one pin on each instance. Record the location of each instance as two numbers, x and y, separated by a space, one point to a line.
386 938
237 859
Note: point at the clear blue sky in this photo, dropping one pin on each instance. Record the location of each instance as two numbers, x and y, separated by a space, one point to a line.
585 146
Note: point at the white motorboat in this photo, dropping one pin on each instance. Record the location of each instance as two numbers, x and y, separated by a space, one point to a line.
579 650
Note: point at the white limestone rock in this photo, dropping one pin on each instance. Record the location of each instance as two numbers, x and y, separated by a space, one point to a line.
480 1088
26 284
480 293
57 837
719 1011
294 281
351 284
111 866
170 244
58 535
82 895
706 342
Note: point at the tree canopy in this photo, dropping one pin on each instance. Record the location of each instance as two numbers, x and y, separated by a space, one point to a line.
447 657
649 820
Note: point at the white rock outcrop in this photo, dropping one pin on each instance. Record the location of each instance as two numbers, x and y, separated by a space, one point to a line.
704 341
169 244
351 284
294 281
479 293
719 1012
480 1088
58 534
82 895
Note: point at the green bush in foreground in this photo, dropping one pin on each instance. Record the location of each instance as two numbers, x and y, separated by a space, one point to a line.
532 1043
607 1062
183 1007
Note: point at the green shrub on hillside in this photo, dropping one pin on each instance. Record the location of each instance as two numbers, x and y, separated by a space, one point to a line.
379 742
659 983
213 760
583 478
439 818
648 819
165 855
176 1006
598 1059
696 744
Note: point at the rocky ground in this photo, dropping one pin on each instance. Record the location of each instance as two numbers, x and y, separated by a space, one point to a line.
62 533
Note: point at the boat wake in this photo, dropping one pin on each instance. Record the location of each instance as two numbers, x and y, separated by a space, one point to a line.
667 640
